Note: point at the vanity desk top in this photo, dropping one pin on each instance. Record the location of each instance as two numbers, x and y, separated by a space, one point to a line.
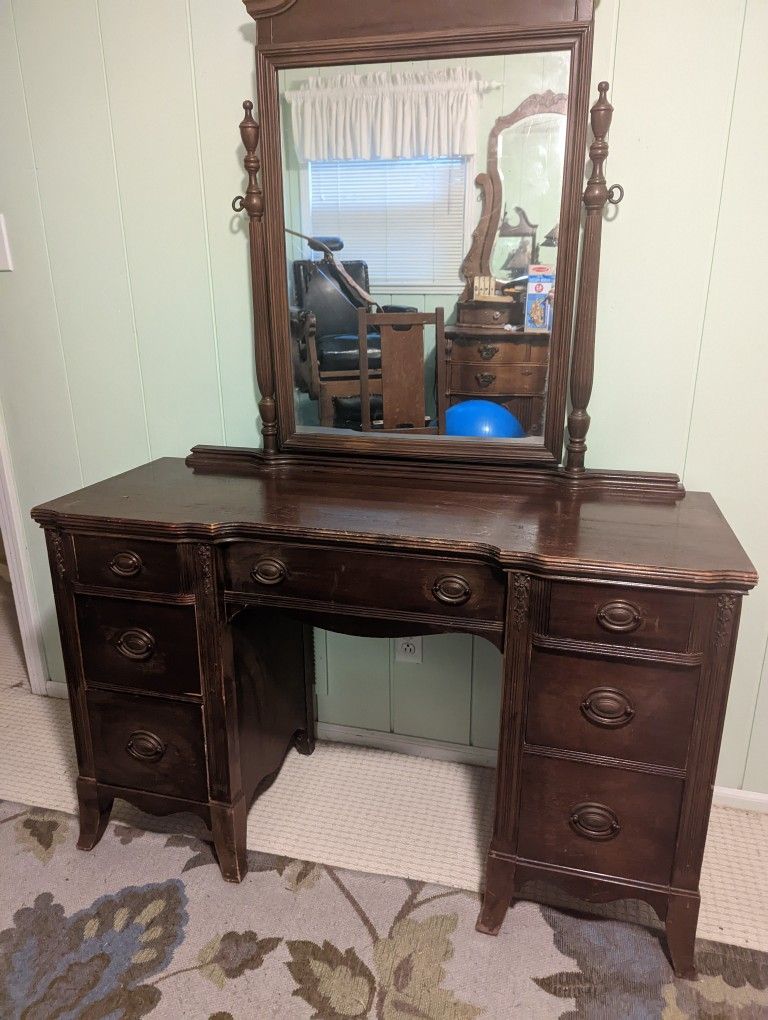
683 541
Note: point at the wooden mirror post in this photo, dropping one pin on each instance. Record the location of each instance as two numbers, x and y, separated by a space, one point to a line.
583 360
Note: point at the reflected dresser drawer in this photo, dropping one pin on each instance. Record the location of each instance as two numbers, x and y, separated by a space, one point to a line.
523 378
605 820
148 744
643 617
371 579
635 711
135 565
140 645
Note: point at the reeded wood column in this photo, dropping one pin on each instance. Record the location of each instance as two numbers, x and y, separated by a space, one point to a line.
253 203
583 360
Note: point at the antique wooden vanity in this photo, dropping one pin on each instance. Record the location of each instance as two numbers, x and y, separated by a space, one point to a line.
186 592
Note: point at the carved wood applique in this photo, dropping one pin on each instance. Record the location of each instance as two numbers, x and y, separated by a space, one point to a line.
205 559
521 600
726 606
58 554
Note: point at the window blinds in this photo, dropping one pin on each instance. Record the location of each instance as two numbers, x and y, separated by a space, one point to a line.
404 217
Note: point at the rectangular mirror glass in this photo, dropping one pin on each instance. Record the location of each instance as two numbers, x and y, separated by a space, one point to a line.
422 208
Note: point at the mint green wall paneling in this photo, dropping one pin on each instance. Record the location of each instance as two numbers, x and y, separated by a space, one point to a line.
432 699
486 693
149 77
731 384
219 26
33 379
663 233
76 173
756 772
358 683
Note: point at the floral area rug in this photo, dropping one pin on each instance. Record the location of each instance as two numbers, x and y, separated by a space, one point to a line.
144 926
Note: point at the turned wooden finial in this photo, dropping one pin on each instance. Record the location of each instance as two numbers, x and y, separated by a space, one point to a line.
253 200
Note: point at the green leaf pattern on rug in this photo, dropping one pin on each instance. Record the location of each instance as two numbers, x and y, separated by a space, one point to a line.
337 985
232 954
409 966
41 832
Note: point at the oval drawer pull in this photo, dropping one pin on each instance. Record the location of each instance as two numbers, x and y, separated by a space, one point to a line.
126 564
136 644
594 821
619 616
452 590
269 571
145 746
487 351
485 379
605 706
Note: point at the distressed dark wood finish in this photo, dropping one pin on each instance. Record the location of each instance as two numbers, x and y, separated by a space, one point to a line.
630 586
637 601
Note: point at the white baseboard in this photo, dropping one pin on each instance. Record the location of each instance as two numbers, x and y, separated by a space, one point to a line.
744 800
54 689
421 748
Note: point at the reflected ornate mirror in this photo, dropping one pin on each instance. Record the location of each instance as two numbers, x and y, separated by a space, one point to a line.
414 199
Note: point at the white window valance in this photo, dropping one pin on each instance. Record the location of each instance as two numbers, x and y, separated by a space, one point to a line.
404 115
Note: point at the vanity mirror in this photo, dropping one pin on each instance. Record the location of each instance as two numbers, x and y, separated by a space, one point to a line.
415 215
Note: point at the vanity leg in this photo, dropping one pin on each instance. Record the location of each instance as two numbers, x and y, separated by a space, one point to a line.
682 917
499 890
304 742
94 809
228 828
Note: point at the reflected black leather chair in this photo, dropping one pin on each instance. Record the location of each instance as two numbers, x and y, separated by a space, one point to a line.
324 326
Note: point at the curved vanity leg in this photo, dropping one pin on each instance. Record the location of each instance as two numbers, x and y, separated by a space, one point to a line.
499 890
94 809
228 827
304 742
682 917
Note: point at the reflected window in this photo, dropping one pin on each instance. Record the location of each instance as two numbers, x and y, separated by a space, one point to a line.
405 217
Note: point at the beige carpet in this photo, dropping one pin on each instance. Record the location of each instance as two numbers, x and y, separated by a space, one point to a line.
369 810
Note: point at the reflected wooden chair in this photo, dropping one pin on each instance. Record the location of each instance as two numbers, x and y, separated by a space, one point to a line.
400 379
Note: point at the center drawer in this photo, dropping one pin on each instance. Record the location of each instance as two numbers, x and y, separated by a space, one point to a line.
141 645
366 579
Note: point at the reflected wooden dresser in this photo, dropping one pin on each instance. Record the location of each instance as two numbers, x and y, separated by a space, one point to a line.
185 601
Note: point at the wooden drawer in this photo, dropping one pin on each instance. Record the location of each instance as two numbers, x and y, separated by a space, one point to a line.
140 645
594 818
491 313
127 563
635 711
621 615
148 744
368 579
479 378
495 350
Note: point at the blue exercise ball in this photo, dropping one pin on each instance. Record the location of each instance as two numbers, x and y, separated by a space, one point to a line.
482 418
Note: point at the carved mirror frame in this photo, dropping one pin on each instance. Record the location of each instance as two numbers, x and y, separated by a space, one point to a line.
304 33
478 258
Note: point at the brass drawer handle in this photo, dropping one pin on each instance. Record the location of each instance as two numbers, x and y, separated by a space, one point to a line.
126 564
138 645
485 379
619 616
269 571
452 590
487 351
594 821
605 706
144 746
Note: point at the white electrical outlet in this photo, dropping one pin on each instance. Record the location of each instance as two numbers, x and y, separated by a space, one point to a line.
6 262
408 649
